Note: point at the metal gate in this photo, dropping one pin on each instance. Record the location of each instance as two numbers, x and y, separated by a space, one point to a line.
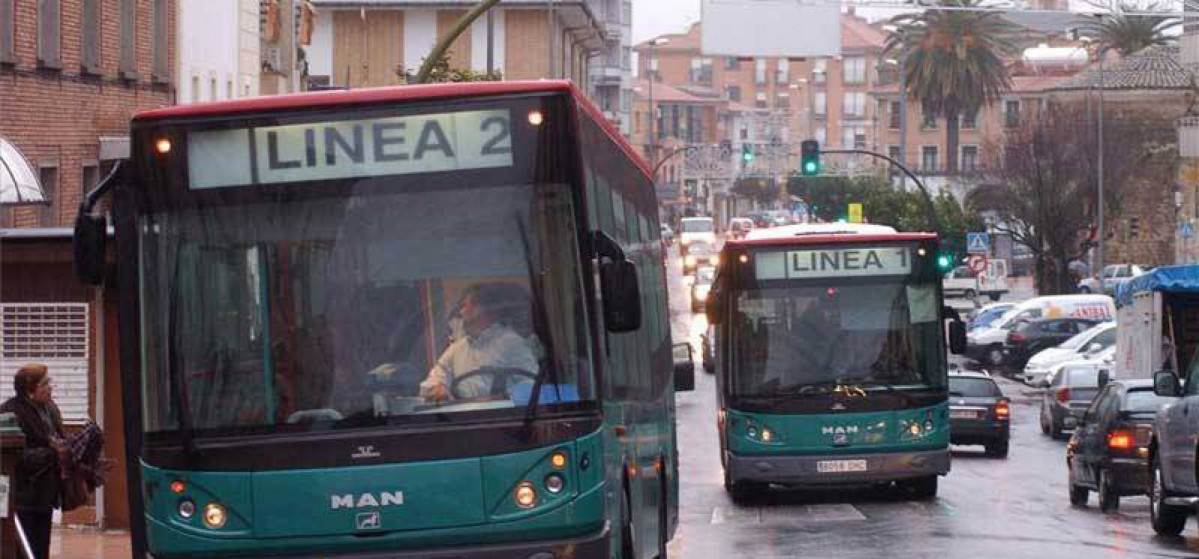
55 335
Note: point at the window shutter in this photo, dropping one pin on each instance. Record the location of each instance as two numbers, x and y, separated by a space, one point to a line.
48 43
128 63
6 31
162 60
90 49
54 334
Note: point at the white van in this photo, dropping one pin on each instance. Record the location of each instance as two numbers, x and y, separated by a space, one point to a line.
696 230
992 282
986 345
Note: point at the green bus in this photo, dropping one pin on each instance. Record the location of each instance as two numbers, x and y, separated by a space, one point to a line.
422 321
831 359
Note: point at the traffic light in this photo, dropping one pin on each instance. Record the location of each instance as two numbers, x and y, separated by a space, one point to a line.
809 158
944 261
747 153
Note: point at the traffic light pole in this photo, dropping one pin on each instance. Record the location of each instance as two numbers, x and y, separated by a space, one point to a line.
930 208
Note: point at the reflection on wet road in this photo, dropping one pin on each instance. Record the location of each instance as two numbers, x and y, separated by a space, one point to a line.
1014 507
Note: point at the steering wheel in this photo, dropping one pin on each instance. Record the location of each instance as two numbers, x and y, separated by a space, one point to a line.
497 388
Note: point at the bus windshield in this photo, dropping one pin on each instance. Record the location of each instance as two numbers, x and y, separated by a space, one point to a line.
882 332
349 311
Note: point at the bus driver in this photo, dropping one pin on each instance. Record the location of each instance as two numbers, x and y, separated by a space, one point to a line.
490 318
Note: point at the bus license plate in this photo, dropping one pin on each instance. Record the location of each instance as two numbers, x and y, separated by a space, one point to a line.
840 466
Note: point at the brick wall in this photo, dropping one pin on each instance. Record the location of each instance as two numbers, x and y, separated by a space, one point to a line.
57 117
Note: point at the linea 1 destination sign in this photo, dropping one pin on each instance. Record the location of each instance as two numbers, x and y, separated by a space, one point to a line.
349 149
829 263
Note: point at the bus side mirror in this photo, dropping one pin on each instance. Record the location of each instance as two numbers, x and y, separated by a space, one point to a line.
1165 384
622 296
684 368
89 244
957 337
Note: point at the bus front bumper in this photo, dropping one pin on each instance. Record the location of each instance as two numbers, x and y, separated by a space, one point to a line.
838 469
590 546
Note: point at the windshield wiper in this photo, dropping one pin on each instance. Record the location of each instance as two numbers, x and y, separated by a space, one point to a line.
541 328
907 398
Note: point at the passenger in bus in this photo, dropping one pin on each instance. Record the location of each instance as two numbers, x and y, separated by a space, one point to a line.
494 325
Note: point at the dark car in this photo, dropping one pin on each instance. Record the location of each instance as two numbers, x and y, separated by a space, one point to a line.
979 413
1029 338
1109 452
1068 397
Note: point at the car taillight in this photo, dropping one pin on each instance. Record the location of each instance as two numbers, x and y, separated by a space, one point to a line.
1120 439
1063 395
1017 337
1002 411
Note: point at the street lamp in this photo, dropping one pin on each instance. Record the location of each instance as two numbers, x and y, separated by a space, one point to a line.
653 113
1097 255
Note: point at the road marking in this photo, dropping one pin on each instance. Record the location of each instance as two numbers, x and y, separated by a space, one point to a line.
735 515
841 512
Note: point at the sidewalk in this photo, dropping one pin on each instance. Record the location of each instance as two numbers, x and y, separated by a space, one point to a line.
69 542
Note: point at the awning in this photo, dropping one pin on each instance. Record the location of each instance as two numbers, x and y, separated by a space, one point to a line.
18 182
1169 279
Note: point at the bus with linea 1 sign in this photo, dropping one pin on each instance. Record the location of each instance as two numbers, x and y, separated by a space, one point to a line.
406 322
830 359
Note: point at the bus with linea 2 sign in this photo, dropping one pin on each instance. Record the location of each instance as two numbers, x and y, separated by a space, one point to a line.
830 359
299 265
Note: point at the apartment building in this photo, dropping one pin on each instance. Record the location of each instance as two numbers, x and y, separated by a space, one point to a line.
218 50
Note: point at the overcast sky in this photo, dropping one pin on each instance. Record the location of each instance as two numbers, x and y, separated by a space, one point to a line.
655 17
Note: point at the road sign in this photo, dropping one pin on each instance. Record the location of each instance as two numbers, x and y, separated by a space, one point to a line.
855 213
977 263
978 243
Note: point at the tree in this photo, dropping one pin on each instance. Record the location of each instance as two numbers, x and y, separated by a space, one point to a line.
1124 33
756 189
443 72
1044 180
952 62
828 199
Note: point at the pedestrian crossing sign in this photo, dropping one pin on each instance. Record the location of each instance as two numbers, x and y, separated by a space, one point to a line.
978 243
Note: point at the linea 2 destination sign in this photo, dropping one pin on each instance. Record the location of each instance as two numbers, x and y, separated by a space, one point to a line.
349 149
828 263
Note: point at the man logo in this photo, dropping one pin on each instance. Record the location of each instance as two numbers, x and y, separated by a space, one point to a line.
366 500
368 521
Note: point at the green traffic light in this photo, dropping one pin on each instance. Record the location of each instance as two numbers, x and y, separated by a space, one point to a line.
944 262
810 168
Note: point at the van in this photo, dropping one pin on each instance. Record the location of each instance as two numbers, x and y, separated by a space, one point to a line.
696 230
986 345
739 227
992 282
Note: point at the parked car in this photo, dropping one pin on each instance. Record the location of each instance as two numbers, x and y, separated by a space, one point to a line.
700 254
1113 275
739 227
1031 337
1109 452
986 345
979 413
1067 398
1105 359
987 315
704 277
667 234
1084 345
1173 455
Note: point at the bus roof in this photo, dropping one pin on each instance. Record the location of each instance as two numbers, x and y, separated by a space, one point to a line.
825 233
392 94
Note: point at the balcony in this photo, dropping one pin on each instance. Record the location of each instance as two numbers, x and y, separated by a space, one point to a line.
1188 136
606 75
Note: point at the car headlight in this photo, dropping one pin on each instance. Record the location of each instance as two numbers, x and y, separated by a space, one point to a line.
690 260
715 260
685 241
701 293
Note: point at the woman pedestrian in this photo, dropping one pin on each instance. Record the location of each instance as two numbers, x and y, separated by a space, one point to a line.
38 476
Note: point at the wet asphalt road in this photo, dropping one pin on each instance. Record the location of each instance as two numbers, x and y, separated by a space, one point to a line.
986 507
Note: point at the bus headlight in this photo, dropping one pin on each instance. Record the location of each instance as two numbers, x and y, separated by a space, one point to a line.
526 495
214 515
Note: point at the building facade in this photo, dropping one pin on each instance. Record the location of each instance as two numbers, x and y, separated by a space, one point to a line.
218 50
72 74
385 42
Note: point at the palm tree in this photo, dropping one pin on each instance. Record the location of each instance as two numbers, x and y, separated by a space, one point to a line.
952 62
1124 33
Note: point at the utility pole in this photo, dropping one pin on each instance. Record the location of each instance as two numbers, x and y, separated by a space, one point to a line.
1099 241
